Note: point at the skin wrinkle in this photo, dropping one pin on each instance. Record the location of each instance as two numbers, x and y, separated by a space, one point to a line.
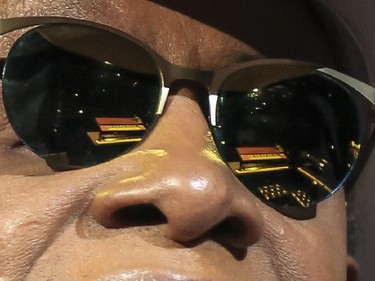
278 245
263 272
286 267
81 192
193 258
17 158
34 250
86 186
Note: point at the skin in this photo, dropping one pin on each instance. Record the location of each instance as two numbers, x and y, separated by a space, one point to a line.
58 226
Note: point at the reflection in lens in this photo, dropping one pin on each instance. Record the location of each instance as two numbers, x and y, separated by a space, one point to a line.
290 142
79 96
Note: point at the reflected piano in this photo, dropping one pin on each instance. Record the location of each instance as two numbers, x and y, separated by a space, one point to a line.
257 159
117 130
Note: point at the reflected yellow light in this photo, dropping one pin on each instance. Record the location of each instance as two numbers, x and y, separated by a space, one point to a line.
275 191
314 179
272 191
355 148
302 198
260 169
210 150
133 179
254 93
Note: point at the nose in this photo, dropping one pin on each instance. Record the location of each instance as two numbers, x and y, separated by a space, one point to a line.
177 181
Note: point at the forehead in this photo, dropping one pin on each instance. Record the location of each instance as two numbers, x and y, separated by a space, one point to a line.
280 29
174 35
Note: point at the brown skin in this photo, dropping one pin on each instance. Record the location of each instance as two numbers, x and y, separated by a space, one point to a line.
57 226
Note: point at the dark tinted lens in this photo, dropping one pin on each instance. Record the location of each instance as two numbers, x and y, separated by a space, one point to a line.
290 142
77 95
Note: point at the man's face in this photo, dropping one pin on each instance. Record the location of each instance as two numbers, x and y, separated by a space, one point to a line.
199 222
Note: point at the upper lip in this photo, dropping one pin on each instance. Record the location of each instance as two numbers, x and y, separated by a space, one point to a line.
146 275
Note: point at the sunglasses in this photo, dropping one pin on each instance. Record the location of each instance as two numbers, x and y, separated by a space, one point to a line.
78 93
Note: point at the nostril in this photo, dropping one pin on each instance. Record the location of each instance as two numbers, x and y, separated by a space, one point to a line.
138 215
230 229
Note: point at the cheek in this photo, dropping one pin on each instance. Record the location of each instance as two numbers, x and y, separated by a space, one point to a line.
314 248
33 211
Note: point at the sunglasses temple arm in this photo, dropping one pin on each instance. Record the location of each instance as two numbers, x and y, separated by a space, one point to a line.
364 89
2 64
11 24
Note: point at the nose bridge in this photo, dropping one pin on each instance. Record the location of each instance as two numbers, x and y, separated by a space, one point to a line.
172 72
